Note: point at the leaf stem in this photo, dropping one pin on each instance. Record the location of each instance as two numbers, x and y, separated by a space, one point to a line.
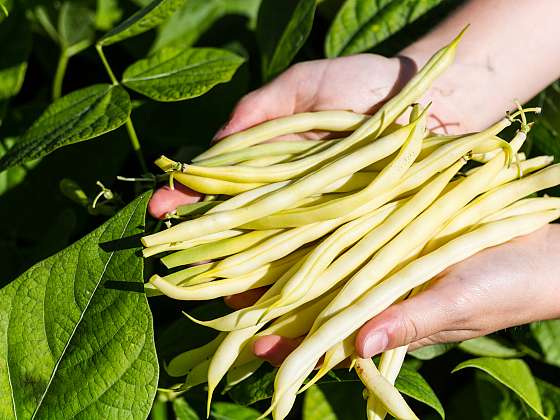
99 49
136 144
59 75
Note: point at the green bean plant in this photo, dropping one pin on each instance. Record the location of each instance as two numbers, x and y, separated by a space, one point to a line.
92 92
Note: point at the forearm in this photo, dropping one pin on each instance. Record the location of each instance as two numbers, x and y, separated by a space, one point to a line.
511 51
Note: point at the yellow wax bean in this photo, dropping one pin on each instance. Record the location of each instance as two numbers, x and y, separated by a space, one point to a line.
183 363
217 249
377 299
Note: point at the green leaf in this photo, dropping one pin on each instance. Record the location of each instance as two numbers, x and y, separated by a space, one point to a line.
498 402
196 16
229 411
257 387
172 74
431 352
550 396
76 340
411 383
362 24
489 346
13 176
107 14
546 133
547 334
513 373
76 28
282 29
183 410
316 406
78 116
15 38
154 14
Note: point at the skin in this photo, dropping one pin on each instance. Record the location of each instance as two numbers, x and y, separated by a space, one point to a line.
501 57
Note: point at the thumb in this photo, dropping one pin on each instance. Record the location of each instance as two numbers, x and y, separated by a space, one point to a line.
406 322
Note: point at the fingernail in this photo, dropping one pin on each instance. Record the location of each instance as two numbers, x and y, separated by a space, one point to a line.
375 342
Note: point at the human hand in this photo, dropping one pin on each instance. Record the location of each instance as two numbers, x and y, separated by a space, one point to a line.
501 287
360 83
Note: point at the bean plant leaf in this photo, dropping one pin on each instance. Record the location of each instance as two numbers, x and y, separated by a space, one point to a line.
229 411
76 338
362 24
431 352
173 74
256 387
76 27
498 402
78 116
316 406
196 16
154 14
412 384
15 38
107 13
512 373
547 335
282 29
183 410
550 396
489 346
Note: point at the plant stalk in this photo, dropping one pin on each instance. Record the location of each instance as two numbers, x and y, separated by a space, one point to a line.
136 144
99 49
59 75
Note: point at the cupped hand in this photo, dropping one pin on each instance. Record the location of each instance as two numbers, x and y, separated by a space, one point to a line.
359 83
504 286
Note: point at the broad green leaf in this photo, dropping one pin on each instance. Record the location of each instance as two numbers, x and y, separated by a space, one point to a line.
431 352
316 406
547 334
15 38
154 14
183 410
76 337
498 402
229 411
282 29
489 346
78 116
550 396
411 383
257 387
196 16
107 13
76 28
513 373
172 74
362 24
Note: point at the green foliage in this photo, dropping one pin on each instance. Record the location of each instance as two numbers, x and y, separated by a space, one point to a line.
149 17
514 374
15 38
56 360
76 334
362 24
172 74
282 29
78 116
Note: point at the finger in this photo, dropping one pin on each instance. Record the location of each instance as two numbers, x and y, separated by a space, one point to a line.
244 299
275 348
409 321
166 200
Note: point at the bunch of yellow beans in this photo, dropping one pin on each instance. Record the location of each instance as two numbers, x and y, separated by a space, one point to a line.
339 230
